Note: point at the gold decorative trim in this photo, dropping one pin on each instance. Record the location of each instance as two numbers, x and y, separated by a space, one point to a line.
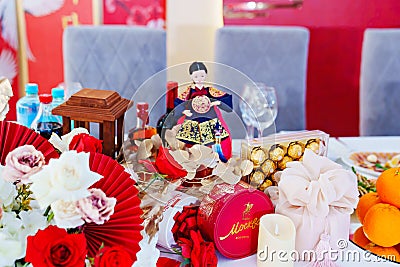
215 92
183 95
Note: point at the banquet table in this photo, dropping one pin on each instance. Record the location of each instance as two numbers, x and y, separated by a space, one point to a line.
338 149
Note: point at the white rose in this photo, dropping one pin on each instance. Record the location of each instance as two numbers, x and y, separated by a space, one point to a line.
11 225
10 250
32 221
66 178
12 233
7 192
66 214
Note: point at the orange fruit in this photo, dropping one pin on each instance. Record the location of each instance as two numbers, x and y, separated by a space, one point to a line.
359 238
389 253
381 225
365 202
388 186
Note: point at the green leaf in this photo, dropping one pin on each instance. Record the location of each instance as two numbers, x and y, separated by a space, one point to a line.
50 217
47 211
353 169
378 165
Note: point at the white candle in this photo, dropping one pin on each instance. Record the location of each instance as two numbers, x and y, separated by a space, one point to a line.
191 26
276 241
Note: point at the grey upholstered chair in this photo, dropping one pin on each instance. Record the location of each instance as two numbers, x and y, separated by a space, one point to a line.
274 55
380 82
119 58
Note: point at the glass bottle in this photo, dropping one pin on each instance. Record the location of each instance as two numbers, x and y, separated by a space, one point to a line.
166 121
142 129
45 122
28 105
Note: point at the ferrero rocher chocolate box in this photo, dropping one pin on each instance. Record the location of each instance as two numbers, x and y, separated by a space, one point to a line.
230 216
270 154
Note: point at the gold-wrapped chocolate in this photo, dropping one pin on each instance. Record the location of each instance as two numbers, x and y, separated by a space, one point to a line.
256 178
295 150
270 154
268 167
265 184
282 163
313 144
277 152
257 156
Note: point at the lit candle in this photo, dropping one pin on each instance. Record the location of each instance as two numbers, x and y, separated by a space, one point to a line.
276 241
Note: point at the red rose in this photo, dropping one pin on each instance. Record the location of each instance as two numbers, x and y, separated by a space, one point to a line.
115 256
200 252
54 247
185 222
166 164
203 253
167 262
85 143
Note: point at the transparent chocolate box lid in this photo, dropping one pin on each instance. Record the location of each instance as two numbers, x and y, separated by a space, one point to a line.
270 154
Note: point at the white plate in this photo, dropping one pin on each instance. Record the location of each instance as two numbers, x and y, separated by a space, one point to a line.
382 156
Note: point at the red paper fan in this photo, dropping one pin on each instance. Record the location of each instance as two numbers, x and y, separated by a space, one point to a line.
124 226
13 135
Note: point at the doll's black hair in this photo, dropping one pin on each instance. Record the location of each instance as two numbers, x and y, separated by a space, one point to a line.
195 66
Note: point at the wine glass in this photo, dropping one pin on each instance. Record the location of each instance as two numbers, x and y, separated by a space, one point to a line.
248 114
259 107
270 107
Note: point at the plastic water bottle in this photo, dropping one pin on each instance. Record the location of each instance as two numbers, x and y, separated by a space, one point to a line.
45 122
58 98
27 106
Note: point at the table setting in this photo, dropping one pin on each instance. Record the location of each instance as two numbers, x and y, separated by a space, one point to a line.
188 192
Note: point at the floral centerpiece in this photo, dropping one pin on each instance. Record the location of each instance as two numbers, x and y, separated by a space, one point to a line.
75 210
165 169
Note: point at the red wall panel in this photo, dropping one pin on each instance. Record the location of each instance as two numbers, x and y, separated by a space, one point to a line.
45 39
336 34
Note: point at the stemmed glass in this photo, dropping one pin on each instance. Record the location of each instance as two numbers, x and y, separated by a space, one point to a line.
259 107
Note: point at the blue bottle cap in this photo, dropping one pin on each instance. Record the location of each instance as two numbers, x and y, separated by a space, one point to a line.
57 92
31 88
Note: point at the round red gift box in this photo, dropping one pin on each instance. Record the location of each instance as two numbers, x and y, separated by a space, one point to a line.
230 217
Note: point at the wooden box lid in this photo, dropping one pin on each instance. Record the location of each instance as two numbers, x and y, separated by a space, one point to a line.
94 98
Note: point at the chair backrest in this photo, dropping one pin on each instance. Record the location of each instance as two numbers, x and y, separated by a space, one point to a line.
274 55
118 58
380 82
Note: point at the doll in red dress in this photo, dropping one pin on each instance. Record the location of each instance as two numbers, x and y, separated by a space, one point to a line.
202 122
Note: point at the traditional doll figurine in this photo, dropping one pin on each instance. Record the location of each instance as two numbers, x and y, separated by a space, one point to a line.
202 122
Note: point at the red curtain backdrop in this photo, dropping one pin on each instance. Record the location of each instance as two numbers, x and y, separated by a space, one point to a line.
336 34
